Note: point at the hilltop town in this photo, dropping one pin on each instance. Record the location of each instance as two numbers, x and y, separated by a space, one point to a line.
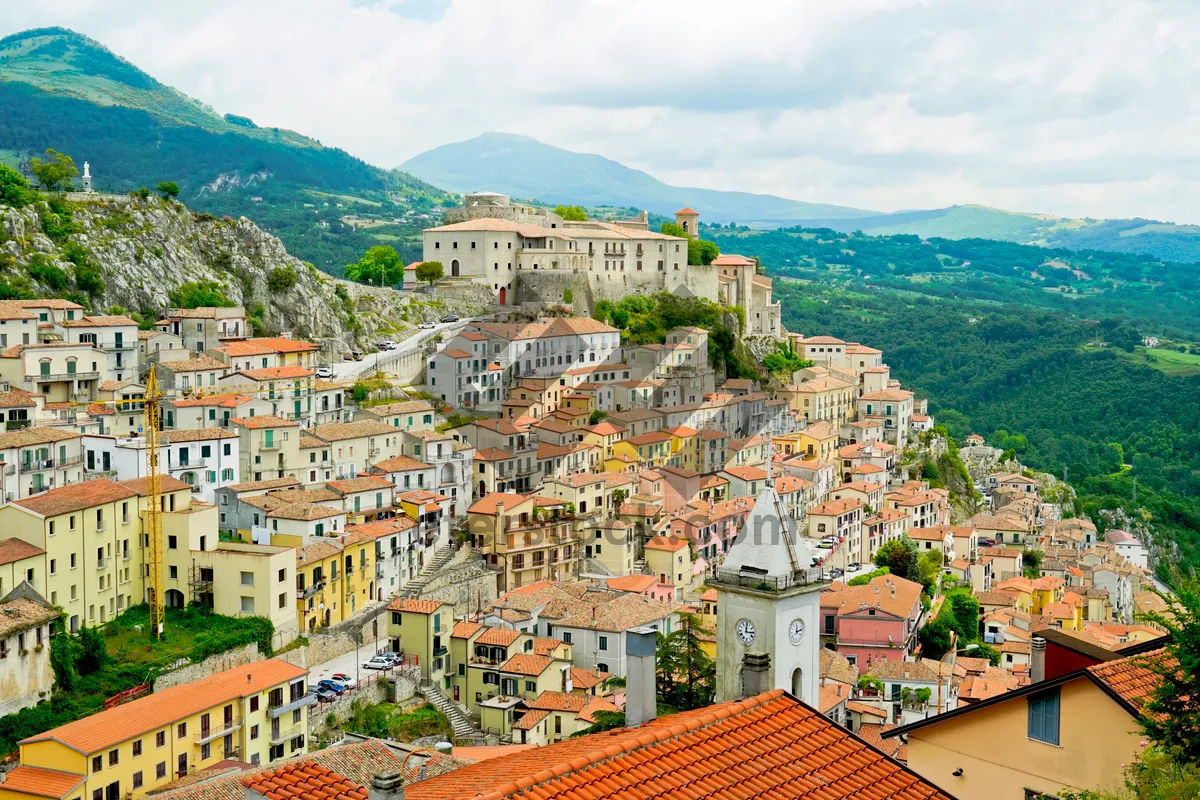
527 527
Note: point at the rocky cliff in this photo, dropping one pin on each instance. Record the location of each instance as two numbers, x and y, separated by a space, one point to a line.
110 251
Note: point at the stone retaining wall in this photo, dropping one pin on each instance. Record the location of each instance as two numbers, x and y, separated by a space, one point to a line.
208 667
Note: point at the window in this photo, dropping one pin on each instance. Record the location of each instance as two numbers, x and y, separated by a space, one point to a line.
247 579
114 757
160 770
567 637
181 730
160 739
603 642
137 779
247 605
137 747
254 730
205 751
97 763
1043 718
254 704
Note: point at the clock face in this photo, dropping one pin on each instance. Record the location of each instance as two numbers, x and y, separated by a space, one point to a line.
745 631
796 631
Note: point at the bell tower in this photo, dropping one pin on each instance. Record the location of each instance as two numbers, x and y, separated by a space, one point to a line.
688 220
769 601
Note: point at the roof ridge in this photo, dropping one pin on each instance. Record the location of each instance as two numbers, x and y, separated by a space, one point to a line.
649 735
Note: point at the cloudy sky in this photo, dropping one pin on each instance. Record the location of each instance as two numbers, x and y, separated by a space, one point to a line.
1075 108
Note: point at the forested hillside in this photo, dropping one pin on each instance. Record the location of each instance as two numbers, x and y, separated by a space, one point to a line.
1161 297
64 91
989 368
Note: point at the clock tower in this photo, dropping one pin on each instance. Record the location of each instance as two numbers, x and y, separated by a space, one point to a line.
769 601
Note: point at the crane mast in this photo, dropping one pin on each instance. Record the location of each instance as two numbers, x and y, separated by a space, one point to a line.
153 516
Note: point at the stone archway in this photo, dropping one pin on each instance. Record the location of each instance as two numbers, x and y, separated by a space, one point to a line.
798 683
454 268
173 598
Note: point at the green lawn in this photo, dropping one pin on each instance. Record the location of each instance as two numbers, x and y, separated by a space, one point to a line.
1167 361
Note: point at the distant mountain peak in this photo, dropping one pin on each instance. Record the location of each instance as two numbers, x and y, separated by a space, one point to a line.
525 167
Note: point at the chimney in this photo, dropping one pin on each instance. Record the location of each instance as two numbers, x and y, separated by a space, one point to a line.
756 673
641 705
1037 658
386 786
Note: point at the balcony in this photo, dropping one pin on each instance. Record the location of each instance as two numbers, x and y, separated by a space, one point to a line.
37 465
55 377
275 712
283 735
270 446
304 594
69 461
182 465
207 735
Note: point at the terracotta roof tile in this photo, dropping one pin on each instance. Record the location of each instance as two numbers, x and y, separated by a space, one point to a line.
765 746
304 780
501 637
14 549
41 782
559 701
1133 678
525 664
76 497
414 605
107 728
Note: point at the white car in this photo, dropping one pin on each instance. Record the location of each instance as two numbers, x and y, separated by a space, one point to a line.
344 679
427 326
324 372
378 662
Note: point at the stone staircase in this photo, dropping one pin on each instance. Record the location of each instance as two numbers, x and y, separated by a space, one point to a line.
459 721
440 559
592 568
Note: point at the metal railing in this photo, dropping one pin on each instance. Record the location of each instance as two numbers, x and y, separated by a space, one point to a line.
768 583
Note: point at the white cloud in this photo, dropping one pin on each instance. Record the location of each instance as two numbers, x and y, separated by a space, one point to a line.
1073 108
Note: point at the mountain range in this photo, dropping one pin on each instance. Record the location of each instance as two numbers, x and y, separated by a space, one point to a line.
62 90
526 168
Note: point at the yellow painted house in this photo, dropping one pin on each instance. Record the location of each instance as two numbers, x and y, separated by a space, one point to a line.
670 559
685 447
421 630
1072 732
257 713
335 577
652 449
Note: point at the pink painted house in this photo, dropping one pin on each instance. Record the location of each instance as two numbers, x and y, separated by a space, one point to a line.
875 622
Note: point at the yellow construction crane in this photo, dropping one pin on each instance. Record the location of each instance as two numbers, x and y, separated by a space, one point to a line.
153 519
153 414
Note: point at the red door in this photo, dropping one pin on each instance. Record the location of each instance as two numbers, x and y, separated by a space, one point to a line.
456 694
503 294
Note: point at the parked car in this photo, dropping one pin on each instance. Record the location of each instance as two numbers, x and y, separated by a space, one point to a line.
395 658
816 560
354 355
331 686
835 573
378 662
323 695
386 344
824 546
324 372
427 326
987 542
854 567
450 318
344 679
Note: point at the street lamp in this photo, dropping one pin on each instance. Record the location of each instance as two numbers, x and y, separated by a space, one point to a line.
942 661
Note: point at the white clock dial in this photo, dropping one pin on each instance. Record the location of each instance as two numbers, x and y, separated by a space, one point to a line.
796 631
745 631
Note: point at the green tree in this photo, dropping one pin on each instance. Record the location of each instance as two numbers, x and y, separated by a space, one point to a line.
14 189
1032 560
984 650
571 213
281 278
92 653
568 296
379 266
1172 717
618 497
965 610
937 637
686 674
702 251
168 189
596 416
430 272
929 566
672 229
62 660
55 171
200 294
900 556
